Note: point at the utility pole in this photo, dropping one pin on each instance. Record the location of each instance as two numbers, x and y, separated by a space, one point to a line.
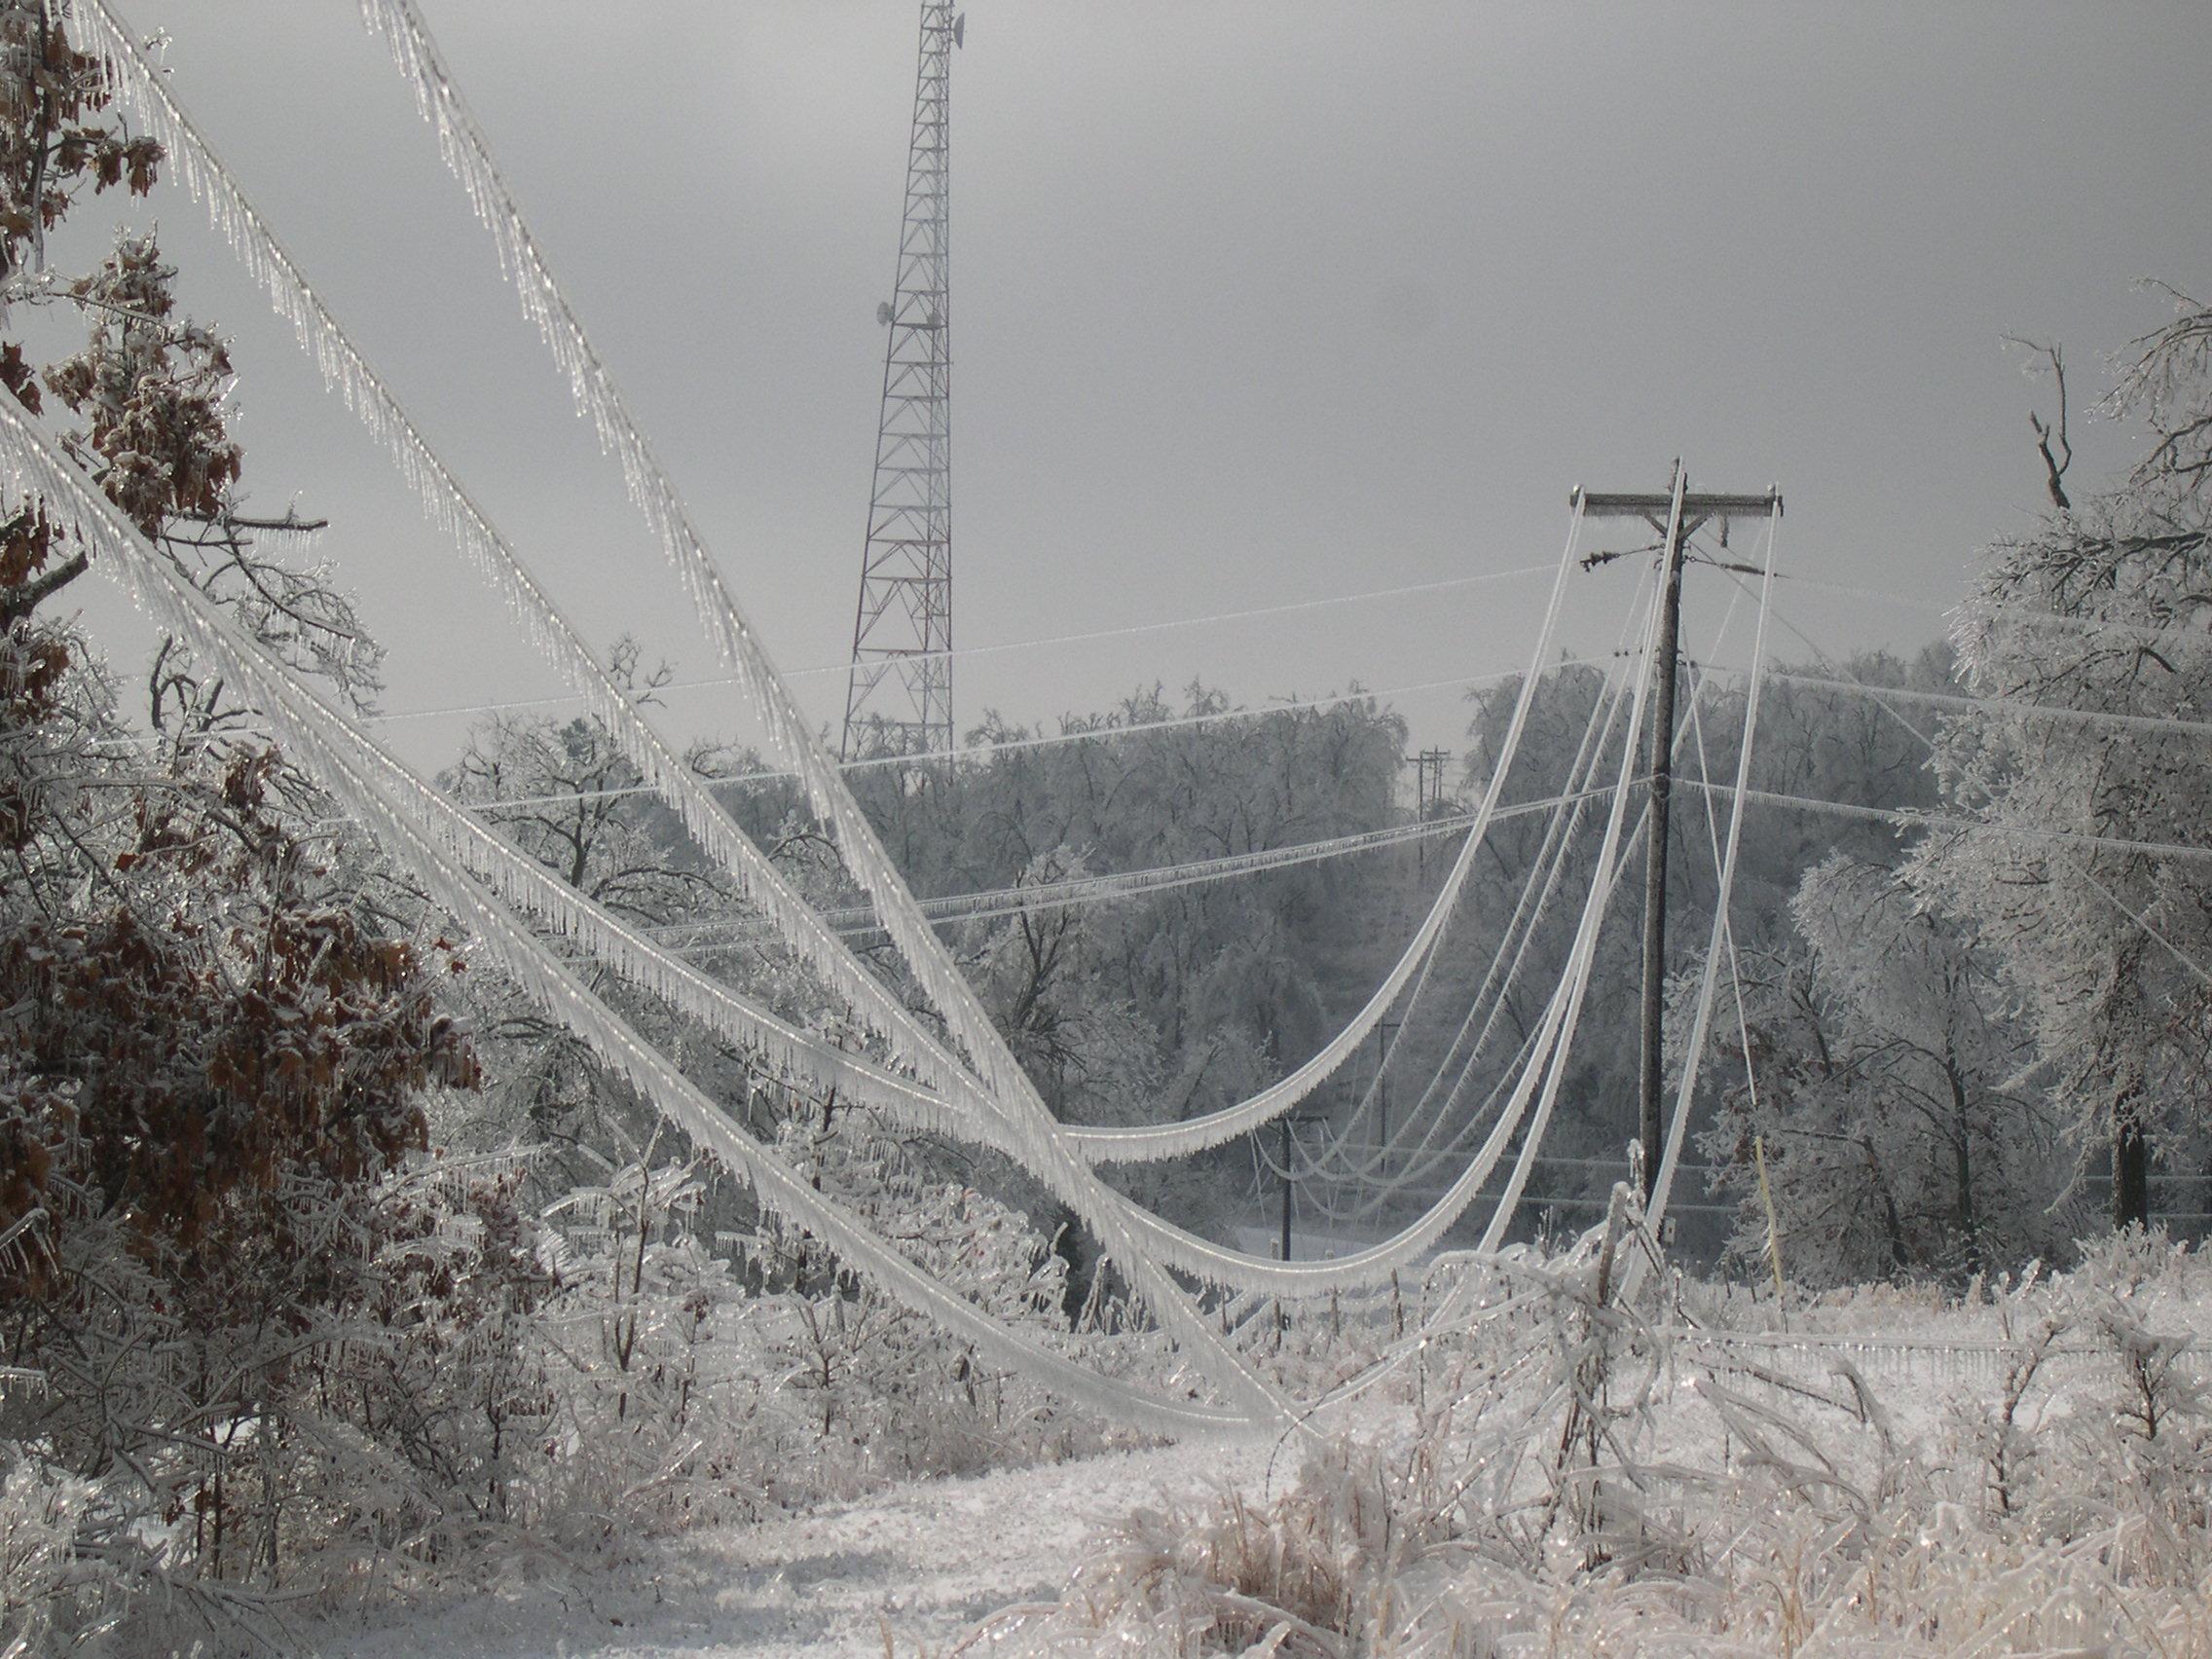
1677 515
1428 796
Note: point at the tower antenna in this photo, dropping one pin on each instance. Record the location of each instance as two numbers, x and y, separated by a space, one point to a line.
899 693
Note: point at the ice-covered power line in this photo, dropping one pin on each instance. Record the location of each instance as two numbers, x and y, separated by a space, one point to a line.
2019 611
827 797
470 530
652 1068
983 753
1042 641
1149 1142
938 978
1437 1104
1006 1092
1428 1154
2115 720
990 902
1006 1087
349 763
1917 818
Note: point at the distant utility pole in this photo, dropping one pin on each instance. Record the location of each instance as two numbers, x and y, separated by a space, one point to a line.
1385 1030
1428 795
1287 1121
1677 515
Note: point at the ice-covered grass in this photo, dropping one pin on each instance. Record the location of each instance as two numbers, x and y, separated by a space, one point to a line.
2026 1468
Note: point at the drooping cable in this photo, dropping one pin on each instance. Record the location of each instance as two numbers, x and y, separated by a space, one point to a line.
1334 1163
1149 1143
324 736
452 508
1727 929
1035 1137
1541 883
1539 1082
790 735
1044 1149
1416 1169
468 155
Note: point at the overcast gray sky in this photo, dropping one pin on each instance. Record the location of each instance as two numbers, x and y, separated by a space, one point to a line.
1252 303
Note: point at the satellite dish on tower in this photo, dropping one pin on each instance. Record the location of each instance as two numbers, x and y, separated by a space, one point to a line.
883 312
960 29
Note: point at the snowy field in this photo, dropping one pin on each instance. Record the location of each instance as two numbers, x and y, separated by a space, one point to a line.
908 1572
2024 1472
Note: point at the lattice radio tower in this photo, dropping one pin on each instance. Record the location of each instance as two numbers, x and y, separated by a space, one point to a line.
898 695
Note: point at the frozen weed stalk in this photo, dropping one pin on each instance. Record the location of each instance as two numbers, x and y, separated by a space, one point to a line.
1567 1472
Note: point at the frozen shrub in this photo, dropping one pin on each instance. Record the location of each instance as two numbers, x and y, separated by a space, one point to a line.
50 1594
1565 1475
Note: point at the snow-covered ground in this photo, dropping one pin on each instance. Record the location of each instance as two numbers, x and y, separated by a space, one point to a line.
905 1572
2021 1471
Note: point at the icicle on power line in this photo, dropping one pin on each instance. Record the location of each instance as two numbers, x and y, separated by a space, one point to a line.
458 517
335 750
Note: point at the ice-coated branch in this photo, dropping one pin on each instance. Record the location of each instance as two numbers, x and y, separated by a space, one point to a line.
349 765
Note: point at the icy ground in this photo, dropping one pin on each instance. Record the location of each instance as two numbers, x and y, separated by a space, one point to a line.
905 1572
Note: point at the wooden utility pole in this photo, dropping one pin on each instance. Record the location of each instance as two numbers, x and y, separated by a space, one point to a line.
1385 1030
1677 515
1428 793
1660 751
1287 1121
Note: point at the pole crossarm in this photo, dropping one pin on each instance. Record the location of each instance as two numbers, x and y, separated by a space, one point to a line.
1699 508
1696 503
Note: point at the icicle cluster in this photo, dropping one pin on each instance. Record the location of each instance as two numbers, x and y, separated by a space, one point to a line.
463 521
357 774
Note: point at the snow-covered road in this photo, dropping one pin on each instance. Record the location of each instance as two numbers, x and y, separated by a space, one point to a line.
903 1573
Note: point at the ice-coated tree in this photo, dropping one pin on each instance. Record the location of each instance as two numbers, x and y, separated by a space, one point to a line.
561 791
1893 1100
2088 640
1042 971
217 1048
